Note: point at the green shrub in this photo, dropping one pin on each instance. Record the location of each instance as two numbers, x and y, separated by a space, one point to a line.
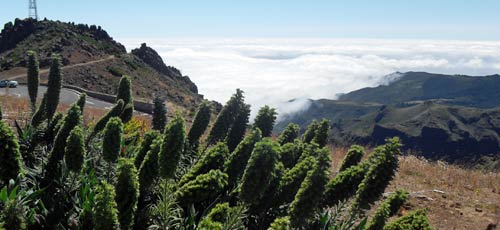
282 223
105 213
40 115
321 133
127 192
416 220
114 112
259 171
111 141
212 159
75 150
53 87
387 209
265 120
293 178
145 146
82 99
353 157
290 153
310 132
288 135
11 163
172 147
200 122
33 78
149 169
226 118
344 185
239 127
235 164
159 114
203 187
308 198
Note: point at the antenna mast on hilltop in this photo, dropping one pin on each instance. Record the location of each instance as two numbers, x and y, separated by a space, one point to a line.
33 13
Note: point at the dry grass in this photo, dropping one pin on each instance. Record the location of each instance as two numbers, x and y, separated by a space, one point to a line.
465 198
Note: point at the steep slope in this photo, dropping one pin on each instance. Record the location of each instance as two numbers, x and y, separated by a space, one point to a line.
92 60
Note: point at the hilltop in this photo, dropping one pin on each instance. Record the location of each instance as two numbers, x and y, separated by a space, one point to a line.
92 60
451 117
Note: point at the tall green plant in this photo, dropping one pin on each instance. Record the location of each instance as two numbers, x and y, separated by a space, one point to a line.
203 187
282 223
81 101
105 216
40 115
212 159
310 132
33 78
322 132
149 169
75 150
226 118
416 220
288 135
111 141
259 171
145 146
308 198
172 147
124 92
53 87
11 163
353 157
265 120
236 163
127 192
99 126
239 127
200 122
159 114
388 208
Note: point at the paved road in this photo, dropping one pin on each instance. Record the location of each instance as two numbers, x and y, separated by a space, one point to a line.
43 71
67 96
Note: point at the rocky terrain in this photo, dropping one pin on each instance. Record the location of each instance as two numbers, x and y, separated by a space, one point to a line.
93 60
439 116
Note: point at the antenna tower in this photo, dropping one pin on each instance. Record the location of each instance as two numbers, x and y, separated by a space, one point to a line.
33 13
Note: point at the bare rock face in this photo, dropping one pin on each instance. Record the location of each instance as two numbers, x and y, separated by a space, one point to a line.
13 33
153 59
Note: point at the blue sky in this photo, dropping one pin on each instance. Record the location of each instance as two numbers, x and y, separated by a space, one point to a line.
394 19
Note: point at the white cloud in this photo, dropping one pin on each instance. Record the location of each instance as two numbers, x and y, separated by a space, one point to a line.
274 71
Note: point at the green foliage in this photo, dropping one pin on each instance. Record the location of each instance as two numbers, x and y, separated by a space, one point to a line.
293 179
75 150
226 118
145 146
416 220
382 169
212 159
33 78
105 216
321 133
265 120
235 164
72 119
53 87
124 92
149 169
343 186
288 135
111 141
203 187
387 209
166 213
127 192
282 223
259 171
353 157
310 132
159 114
172 147
81 101
290 153
114 112
1 112
40 115
239 127
200 122
222 216
11 163
308 198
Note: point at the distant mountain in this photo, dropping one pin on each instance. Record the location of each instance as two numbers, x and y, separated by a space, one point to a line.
92 60
439 116
413 87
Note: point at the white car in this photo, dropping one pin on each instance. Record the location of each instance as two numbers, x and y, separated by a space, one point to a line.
7 83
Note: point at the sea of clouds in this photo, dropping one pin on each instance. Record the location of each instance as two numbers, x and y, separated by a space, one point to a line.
274 71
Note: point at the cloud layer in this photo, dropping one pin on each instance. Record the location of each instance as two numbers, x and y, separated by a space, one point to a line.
274 71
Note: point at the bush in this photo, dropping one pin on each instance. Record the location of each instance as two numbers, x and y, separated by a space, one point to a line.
259 171
75 150
265 120
203 187
212 159
172 147
416 220
226 118
105 213
237 160
282 223
145 146
11 163
159 114
288 135
200 122
353 157
239 127
127 192
387 209
111 142
33 78
54 87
